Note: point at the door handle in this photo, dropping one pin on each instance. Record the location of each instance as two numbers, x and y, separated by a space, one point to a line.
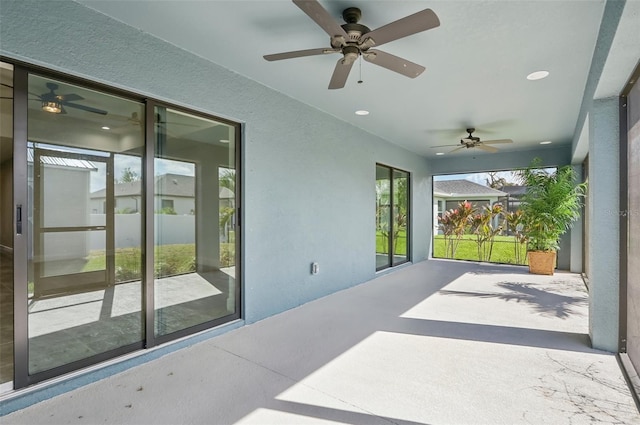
19 219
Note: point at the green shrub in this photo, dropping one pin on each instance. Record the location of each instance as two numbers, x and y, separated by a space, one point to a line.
227 254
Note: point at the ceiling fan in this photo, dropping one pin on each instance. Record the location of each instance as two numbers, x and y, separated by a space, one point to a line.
56 103
354 40
472 141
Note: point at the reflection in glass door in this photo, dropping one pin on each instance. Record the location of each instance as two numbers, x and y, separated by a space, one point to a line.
84 292
63 178
194 216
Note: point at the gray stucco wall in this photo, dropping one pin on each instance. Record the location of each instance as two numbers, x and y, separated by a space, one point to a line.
308 178
604 224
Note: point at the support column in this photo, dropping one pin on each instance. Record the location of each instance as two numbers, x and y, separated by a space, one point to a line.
576 236
207 217
604 228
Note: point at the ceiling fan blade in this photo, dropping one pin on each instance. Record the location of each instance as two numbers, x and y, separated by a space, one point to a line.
409 25
340 74
457 149
85 108
393 63
321 17
70 97
444 146
299 54
486 142
487 148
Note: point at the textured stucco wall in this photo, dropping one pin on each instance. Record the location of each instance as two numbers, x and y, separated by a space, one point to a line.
308 178
604 225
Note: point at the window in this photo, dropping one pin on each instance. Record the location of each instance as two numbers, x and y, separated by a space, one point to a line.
392 217
167 203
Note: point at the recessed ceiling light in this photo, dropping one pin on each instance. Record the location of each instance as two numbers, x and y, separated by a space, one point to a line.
440 153
538 75
362 112
104 127
224 141
546 142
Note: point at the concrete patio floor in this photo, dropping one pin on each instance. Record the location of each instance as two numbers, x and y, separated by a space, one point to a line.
438 342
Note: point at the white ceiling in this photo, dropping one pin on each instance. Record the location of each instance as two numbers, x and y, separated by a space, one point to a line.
477 62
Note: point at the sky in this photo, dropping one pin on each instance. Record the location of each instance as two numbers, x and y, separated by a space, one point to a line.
480 178
122 162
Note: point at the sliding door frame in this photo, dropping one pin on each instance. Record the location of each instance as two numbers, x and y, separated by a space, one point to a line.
22 378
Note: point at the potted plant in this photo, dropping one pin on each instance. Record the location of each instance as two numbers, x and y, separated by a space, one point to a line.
551 204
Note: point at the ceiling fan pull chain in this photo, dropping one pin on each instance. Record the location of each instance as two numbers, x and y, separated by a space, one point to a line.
360 79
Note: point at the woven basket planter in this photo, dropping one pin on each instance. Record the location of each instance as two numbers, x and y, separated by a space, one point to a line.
542 262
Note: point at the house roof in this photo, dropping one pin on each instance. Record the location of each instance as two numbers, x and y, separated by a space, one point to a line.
462 188
515 190
168 184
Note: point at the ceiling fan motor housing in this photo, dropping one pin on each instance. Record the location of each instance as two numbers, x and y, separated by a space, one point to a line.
353 29
351 15
470 141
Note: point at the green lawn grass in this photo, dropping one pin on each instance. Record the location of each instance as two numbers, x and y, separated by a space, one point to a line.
169 260
503 249
382 243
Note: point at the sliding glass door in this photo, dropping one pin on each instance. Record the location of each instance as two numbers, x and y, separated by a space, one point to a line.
123 225
79 307
392 217
193 283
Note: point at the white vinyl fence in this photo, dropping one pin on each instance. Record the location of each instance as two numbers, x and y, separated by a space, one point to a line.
171 229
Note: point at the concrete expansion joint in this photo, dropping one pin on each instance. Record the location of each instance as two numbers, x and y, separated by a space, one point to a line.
294 380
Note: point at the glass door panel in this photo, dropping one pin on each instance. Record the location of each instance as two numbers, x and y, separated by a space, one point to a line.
195 281
6 227
392 217
81 143
383 209
400 216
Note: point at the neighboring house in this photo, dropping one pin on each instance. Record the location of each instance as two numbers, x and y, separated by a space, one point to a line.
175 191
447 195
514 195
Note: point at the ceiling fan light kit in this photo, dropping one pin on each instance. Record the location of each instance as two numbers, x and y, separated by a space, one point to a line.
52 106
55 103
354 40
